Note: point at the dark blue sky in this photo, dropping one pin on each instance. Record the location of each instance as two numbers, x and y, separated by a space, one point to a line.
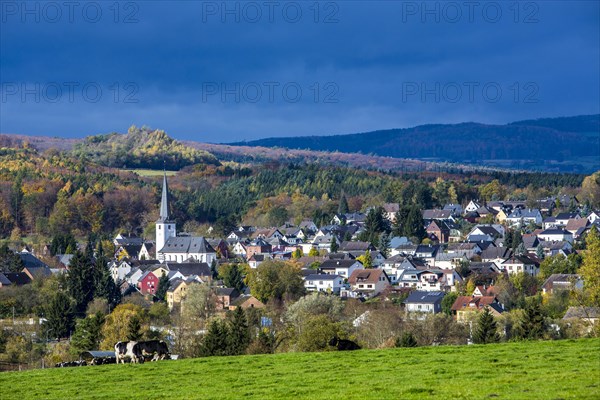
221 72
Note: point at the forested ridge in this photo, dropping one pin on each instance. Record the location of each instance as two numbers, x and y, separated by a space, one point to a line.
50 192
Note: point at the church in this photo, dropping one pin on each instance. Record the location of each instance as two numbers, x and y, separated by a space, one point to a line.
173 248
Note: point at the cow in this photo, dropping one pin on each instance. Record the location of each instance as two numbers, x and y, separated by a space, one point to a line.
129 350
343 344
158 349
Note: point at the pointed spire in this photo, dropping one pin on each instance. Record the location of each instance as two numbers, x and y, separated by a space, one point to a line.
164 205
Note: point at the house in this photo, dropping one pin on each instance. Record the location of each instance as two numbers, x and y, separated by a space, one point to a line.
469 250
225 296
147 251
549 222
455 209
195 270
465 307
17 278
407 278
327 283
438 231
356 246
390 210
343 268
496 255
557 282
438 280
308 226
37 272
577 226
554 248
424 302
323 242
516 264
562 219
246 301
368 282
486 233
593 217
239 249
257 246
436 214
256 259
520 217
4 281
221 247
588 314
448 260
238 236
555 235
484 268
148 283
176 292
472 206
126 239
427 252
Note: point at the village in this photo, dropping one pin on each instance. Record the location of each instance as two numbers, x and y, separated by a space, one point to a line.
508 251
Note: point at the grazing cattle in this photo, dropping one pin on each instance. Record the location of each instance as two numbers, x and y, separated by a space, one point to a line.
158 349
129 350
343 344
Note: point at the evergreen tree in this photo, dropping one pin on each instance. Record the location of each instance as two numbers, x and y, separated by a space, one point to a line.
414 224
384 244
407 340
9 260
375 224
163 287
80 281
232 276
215 340
343 206
239 337
517 239
486 332
87 334
532 324
334 245
539 252
134 328
104 285
520 250
60 316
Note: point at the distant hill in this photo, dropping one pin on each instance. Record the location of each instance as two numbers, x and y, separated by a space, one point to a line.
566 144
141 148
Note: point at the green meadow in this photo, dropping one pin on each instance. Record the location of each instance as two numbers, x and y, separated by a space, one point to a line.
150 172
568 369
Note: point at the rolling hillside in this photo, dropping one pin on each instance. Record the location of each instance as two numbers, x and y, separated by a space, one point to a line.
566 369
569 144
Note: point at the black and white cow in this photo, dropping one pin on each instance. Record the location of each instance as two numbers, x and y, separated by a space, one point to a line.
158 349
129 350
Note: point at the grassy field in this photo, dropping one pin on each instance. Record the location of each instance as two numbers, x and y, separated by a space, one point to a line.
150 172
528 370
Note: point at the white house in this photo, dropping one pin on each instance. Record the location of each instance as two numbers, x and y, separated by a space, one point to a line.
520 217
323 283
472 206
368 282
555 235
424 302
516 264
343 268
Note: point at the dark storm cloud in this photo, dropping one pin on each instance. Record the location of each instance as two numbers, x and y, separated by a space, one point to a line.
198 71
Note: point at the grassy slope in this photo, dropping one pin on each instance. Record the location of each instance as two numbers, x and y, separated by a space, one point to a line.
529 370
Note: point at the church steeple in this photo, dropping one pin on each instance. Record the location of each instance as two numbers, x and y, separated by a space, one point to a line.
164 202
165 228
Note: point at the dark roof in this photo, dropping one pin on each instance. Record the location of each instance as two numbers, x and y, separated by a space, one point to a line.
231 292
18 278
187 269
424 297
321 277
496 252
187 244
31 261
333 264
356 246
4 281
